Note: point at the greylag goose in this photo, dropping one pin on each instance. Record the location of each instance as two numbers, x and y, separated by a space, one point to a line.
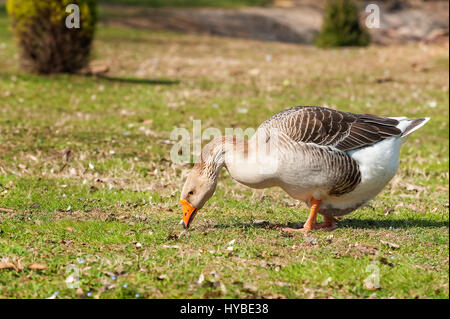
333 161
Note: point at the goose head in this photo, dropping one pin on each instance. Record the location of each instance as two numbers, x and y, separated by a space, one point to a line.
198 188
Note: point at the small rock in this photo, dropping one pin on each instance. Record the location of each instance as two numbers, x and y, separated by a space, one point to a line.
162 277
79 292
311 240
231 242
201 279
54 295
260 222
326 282
330 238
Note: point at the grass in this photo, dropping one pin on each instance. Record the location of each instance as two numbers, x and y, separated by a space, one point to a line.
108 211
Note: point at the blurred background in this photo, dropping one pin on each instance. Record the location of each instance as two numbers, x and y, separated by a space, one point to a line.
295 21
324 23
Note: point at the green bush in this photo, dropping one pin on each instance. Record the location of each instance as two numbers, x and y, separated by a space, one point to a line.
46 44
341 26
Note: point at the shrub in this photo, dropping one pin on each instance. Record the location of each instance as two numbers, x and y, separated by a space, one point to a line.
341 26
46 44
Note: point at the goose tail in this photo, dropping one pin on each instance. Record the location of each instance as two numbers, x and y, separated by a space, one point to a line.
414 124
407 126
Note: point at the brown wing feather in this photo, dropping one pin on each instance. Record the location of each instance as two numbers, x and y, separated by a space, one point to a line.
328 127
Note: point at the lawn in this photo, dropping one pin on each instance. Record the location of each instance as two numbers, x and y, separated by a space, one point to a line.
88 191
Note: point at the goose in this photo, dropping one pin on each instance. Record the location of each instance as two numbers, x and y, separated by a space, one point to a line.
333 161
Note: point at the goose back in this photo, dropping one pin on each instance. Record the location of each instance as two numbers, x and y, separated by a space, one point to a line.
327 127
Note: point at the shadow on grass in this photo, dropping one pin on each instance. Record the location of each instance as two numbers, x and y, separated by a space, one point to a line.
32 77
265 225
132 80
349 223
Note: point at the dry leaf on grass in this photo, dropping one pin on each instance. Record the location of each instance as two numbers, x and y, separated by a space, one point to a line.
274 296
7 265
250 288
416 188
36 266
369 285
19 265
385 261
392 245
366 250
260 222
66 154
171 246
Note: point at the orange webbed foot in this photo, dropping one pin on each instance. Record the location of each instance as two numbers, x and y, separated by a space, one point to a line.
322 226
328 224
311 222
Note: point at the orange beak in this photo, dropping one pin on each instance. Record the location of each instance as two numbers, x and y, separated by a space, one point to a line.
189 213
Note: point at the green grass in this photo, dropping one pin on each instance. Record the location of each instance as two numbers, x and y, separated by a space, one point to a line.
190 3
119 187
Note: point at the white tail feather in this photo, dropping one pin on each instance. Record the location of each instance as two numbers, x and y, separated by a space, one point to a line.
414 125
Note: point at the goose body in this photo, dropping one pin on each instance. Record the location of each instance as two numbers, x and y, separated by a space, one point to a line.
377 165
333 161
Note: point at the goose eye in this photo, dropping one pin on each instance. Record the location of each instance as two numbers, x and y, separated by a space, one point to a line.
191 193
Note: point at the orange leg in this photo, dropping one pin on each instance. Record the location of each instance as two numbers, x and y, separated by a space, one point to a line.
311 224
